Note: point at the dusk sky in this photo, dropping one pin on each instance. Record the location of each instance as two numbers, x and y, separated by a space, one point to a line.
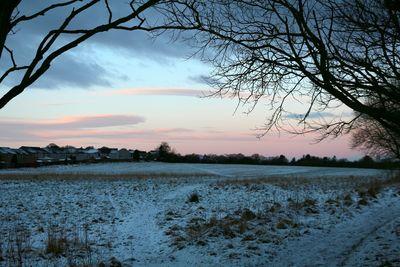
128 90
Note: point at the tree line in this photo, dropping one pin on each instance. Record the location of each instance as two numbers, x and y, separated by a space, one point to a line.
166 154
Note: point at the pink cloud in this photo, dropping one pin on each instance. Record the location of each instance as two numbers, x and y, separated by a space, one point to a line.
99 130
97 121
75 122
111 134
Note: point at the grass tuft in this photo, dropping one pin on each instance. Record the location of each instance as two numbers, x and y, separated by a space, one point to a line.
248 215
194 198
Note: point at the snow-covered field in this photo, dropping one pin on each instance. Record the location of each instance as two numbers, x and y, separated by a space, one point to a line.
155 214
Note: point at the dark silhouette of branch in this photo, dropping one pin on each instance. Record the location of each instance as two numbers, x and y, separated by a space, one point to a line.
49 48
324 52
375 140
42 12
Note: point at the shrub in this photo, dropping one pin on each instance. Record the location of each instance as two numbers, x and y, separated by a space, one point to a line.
248 215
281 225
285 223
347 200
374 189
275 207
194 197
363 202
56 242
115 263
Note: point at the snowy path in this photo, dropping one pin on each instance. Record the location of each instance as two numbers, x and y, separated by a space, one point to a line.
382 245
137 230
334 247
138 227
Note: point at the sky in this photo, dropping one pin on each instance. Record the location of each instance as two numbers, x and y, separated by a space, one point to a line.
126 89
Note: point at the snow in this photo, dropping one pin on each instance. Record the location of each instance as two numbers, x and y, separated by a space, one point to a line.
335 246
139 214
232 171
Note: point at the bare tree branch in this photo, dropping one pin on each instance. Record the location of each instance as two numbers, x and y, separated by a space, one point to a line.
325 51
42 12
50 48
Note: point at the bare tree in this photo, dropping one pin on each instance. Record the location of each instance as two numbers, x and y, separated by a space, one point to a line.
68 32
324 53
372 138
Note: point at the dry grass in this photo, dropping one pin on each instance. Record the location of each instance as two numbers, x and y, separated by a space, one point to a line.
97 176
308 204
198 231
56 242
75 247
347 200
327 182
18 247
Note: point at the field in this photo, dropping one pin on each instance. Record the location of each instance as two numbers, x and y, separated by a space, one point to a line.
155 214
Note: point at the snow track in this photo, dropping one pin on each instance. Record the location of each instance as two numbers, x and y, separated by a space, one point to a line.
336 246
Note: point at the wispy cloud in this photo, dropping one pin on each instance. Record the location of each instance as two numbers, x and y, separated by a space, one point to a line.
79 122
311 115
203 79
157 91
117 134
98 121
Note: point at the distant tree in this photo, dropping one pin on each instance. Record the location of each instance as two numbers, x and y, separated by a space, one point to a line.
366 160
256 157
372 138
53 146
149 156
281 160
165 152
136 155
104 150
191 158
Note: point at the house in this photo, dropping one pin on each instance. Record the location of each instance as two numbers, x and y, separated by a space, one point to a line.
11 157
113 153
6 157
54 153
91 153
124 154
49 154
32 150
70 153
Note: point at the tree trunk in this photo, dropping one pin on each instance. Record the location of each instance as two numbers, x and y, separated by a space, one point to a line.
6 10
